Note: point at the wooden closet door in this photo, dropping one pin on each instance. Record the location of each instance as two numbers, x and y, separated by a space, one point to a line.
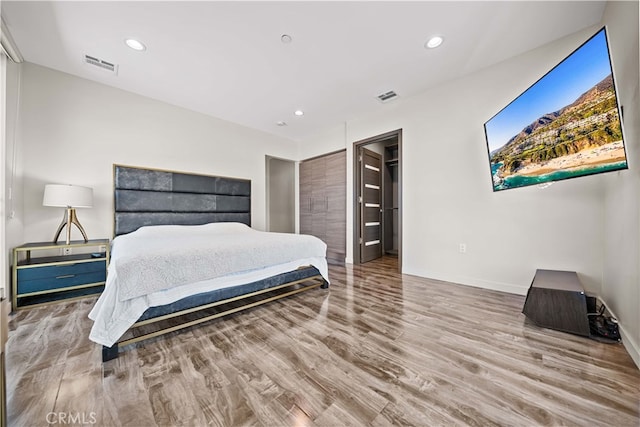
323 208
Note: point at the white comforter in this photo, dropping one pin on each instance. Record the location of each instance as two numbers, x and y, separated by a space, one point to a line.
161 264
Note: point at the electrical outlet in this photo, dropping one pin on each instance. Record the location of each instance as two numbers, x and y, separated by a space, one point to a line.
463 248
67 251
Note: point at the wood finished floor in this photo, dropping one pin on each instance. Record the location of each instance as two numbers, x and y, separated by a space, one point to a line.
376 349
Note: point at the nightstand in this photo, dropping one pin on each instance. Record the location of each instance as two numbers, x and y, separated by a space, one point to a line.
47 272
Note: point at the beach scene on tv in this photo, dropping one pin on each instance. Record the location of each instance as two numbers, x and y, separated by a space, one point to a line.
566 125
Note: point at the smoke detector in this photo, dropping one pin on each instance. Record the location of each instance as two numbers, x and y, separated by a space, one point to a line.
101 64
387 96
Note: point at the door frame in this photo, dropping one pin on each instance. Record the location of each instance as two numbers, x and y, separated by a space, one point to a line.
394 134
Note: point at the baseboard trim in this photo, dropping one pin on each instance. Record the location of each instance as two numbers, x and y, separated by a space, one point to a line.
472 281
632 347
629 343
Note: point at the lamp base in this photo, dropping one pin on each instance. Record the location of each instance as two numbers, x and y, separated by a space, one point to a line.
69 219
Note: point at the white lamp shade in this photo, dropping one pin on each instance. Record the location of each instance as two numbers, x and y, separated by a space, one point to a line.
73 196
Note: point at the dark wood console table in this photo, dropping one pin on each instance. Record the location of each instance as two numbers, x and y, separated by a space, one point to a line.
556 300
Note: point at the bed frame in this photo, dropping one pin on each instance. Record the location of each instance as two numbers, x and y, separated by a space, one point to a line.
156 197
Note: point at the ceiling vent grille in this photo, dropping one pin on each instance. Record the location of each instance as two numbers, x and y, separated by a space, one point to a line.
101 63
387 96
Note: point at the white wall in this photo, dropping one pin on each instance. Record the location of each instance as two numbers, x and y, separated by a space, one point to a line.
73 130
4 276
621 280
12 201
330 140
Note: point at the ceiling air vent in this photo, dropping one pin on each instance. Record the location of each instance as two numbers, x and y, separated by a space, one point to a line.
387 96
101 63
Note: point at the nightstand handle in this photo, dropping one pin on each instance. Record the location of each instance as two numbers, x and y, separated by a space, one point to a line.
66 276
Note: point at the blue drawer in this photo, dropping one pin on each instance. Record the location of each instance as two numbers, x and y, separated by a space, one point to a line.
61 281
53 271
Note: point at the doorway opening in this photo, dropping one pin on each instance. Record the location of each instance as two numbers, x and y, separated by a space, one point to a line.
281 195
377 201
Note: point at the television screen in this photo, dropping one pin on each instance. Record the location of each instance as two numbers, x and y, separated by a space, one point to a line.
565 125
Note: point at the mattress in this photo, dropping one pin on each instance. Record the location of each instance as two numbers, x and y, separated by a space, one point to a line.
164 264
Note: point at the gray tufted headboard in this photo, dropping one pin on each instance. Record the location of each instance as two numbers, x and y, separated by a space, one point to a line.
157 197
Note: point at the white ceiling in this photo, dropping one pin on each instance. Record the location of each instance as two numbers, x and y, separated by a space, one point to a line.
226 59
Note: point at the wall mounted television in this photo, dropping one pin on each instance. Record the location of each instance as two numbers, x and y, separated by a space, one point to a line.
566 125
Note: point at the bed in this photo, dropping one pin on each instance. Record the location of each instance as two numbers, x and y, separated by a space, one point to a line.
184 253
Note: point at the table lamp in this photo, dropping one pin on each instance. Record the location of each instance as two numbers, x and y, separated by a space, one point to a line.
70 197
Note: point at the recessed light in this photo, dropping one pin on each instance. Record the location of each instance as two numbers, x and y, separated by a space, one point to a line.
434 42
286 38
299 113
135 44
281 123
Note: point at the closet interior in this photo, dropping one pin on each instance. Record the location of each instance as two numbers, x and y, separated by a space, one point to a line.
390 199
